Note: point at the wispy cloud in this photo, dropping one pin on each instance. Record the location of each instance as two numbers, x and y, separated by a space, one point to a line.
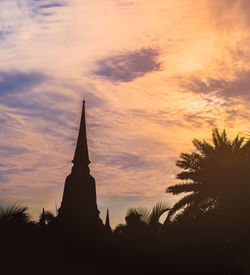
18 82
128 66
42 6
228 88
126 161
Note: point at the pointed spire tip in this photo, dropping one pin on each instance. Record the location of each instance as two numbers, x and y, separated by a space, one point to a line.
81 152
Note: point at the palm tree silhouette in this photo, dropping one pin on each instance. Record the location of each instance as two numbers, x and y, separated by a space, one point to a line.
14 215
216 176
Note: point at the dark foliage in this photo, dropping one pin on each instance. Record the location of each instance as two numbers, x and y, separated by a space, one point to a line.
217 179
206 232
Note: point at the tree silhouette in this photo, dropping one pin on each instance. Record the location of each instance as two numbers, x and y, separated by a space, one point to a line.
14 215
47 217
141 219
216 176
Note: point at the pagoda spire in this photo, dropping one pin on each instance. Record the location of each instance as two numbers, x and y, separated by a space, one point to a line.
79 207
81 157
107 222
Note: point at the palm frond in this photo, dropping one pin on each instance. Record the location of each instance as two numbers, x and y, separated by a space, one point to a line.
220 140
189 161
190 175
246 147
237 143
215 135
156 212
203 146
224 136
183 188
187 200
14 213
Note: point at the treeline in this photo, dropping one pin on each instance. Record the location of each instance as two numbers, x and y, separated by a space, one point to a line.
205 232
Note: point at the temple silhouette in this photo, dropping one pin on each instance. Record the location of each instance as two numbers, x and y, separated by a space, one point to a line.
204 238
79 207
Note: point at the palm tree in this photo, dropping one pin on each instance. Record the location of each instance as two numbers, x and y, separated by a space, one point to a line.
14 215
215 176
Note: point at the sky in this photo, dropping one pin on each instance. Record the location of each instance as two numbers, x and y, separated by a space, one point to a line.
154 75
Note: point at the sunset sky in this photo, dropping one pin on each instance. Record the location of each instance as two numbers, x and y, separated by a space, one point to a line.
154 74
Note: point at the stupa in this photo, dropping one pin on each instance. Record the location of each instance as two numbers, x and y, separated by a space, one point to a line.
79 207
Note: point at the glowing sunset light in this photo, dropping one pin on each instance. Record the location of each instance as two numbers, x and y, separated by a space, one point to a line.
154 74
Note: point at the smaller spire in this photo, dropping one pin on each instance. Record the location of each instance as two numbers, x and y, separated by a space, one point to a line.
107 223
42 218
